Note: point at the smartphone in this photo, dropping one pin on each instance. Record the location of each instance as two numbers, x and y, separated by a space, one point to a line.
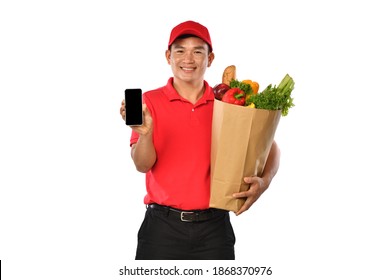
133 106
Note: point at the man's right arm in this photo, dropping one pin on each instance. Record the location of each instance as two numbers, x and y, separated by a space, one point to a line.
143 153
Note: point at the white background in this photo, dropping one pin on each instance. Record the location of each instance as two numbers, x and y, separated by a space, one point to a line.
71 201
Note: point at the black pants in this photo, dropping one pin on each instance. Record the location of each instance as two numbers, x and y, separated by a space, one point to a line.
163 236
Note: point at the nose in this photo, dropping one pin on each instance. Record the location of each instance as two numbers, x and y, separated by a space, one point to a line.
189 56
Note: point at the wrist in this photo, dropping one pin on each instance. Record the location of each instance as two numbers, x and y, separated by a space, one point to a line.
266 180
146 136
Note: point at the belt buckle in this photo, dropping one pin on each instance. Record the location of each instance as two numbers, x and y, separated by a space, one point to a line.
182 216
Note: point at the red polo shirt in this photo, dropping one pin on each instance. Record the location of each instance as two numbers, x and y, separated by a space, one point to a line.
180 178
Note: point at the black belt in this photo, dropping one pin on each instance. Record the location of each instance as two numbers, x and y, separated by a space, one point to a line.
189 216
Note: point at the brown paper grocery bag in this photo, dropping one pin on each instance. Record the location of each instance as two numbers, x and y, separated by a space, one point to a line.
240 144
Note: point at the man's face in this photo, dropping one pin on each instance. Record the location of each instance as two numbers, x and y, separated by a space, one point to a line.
189 59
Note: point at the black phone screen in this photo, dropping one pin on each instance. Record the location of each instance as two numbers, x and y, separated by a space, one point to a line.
133 106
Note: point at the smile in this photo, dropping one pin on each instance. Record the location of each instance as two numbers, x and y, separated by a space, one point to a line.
188 69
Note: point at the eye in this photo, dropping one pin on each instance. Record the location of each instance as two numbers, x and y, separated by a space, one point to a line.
199 52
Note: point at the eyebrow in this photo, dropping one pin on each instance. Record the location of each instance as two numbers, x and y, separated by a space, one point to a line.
182 47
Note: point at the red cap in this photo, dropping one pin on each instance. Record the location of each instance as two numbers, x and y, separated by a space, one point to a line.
190 28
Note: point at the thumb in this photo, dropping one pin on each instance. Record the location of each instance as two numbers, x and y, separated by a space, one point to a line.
248 180
145 109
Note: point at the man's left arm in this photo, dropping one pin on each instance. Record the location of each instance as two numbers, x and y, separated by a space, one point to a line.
258 185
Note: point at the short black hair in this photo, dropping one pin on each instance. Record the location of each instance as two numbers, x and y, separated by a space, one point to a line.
184 36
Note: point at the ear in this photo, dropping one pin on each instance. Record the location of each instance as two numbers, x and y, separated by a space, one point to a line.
168 56
210 59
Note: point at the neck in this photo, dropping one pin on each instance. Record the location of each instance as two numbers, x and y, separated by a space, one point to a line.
189 91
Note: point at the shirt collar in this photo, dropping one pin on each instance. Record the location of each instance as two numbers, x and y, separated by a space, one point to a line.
172 94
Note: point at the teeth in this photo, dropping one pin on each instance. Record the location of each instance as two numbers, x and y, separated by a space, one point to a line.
188 69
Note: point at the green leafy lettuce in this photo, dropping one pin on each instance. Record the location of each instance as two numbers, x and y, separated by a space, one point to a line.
275 97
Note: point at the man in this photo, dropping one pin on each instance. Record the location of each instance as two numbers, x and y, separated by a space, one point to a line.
173 148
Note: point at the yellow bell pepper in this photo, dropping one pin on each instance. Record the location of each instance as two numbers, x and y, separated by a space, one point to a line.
254 85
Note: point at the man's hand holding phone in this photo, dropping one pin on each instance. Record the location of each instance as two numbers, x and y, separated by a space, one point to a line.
147 125
135 113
